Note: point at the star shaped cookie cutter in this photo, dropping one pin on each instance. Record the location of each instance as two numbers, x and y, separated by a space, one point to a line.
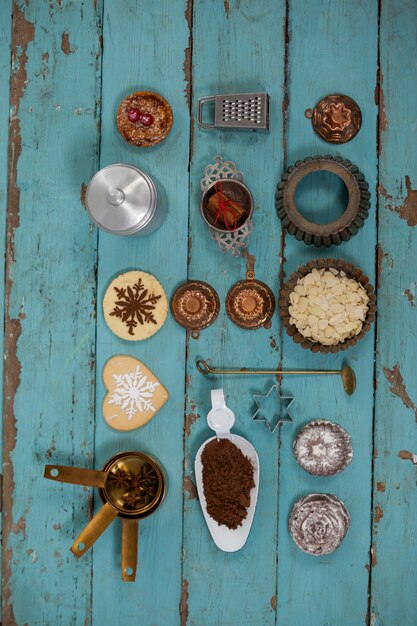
262 399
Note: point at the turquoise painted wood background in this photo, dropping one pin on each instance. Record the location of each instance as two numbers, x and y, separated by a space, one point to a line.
64 67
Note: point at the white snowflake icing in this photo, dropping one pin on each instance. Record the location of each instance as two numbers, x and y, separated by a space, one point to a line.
134 392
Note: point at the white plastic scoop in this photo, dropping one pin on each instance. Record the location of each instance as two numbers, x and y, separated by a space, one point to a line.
221 419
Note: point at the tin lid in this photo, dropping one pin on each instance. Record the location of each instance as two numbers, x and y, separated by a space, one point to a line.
121 199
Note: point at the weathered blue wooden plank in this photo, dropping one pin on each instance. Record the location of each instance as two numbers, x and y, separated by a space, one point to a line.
395 506
332 49
50 327
238 49
5 44
145 48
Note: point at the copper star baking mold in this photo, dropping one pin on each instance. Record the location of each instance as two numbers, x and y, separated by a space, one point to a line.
337 231
195 305
336 118
318 523
323 448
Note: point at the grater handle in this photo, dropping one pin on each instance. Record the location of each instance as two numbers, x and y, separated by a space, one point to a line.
201 103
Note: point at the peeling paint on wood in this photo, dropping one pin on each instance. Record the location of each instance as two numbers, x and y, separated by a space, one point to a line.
380 486
383 192
184 603
190 418
45 69
83 191
273 344
379 514
374 561
65 44
410 293
226 4
188 54
398 387
380 102
407 210
23 33
190 488
379 257
382 259
408 456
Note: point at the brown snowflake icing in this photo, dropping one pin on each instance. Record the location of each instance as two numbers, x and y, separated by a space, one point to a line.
135 305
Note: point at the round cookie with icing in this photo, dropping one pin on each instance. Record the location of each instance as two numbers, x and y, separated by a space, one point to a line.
135 306
134 394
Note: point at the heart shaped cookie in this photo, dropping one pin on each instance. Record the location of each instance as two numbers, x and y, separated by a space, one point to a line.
134 395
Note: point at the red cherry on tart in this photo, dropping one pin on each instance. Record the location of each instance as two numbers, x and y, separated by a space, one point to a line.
146 119
134 114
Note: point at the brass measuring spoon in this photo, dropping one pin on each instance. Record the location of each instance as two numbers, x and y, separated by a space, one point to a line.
132 486
347 373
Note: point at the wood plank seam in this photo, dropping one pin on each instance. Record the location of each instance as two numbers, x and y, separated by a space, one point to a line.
281 276
189 94
99 11
380 124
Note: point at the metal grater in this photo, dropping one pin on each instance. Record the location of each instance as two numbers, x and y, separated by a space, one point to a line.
246 111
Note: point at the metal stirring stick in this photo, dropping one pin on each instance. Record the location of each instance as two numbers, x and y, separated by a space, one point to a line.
347 373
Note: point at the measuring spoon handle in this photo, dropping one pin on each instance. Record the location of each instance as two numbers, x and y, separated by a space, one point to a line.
130 539
94 529
75 475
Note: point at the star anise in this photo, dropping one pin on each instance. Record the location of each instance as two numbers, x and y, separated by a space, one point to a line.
132 501
135 305
119 478
144 484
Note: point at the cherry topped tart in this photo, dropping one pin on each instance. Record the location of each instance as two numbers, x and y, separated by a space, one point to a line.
144 118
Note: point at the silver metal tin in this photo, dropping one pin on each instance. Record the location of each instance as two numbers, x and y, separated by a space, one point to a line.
122 200
236 111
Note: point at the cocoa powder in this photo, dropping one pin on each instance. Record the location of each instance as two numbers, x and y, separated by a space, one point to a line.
227 482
